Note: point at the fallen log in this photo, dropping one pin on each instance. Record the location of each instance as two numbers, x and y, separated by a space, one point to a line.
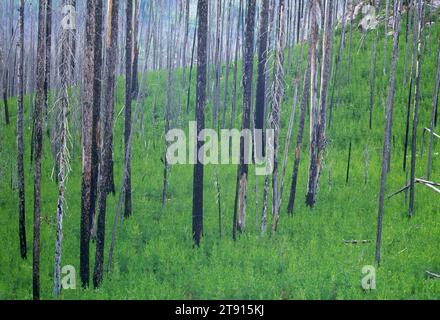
432 275
429 184
357 241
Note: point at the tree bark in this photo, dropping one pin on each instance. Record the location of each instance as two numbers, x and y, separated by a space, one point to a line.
388 130
20 147
247 97
105 180
197 209
128 87
416 109
38 136
87 138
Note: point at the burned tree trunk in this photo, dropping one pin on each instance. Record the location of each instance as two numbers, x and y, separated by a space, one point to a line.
247 97
260 98
237 47
87 138
20 147
105 180
278 93
416 109
135 57
38 136
128 75
48 61
434 113
96 123
197 209
388 129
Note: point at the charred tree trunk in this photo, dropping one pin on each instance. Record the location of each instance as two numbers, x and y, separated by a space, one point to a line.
434 113
87 141
260 98
96 124
20 147
38 136
135 58
416 109
247 97
48 61
197 210
128 79
388 130
105 180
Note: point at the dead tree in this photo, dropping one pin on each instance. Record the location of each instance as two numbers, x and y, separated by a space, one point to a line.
20 147
87 138
217 62
135 57
416 108
247 96
128 79
38 136
313 142
48 61
300 134
278 93
434 113
388 129
260 95
202 35
105 180
63 152
96 124
237 47
385 39
228 60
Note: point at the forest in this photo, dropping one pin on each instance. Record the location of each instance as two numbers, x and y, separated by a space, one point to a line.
219 149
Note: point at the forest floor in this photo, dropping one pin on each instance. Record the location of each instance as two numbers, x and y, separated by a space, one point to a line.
307 258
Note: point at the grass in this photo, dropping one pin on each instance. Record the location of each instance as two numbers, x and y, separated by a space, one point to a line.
306 259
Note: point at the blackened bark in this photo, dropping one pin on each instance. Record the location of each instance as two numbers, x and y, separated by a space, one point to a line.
416 109
38 136
106 182
260 98
96 124
128 79
48 62
247 98
197 210
87 138
20 120
299 139
135 57
388 130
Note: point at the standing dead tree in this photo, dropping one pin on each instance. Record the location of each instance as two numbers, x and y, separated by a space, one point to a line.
20 147
240 220
87 137
105 180
96 113
434 113
318 113
128 96
260 95
416 108
202 35
62 133
38 136
278 93
388 129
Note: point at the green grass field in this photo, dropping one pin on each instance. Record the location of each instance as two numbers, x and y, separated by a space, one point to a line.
306 259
